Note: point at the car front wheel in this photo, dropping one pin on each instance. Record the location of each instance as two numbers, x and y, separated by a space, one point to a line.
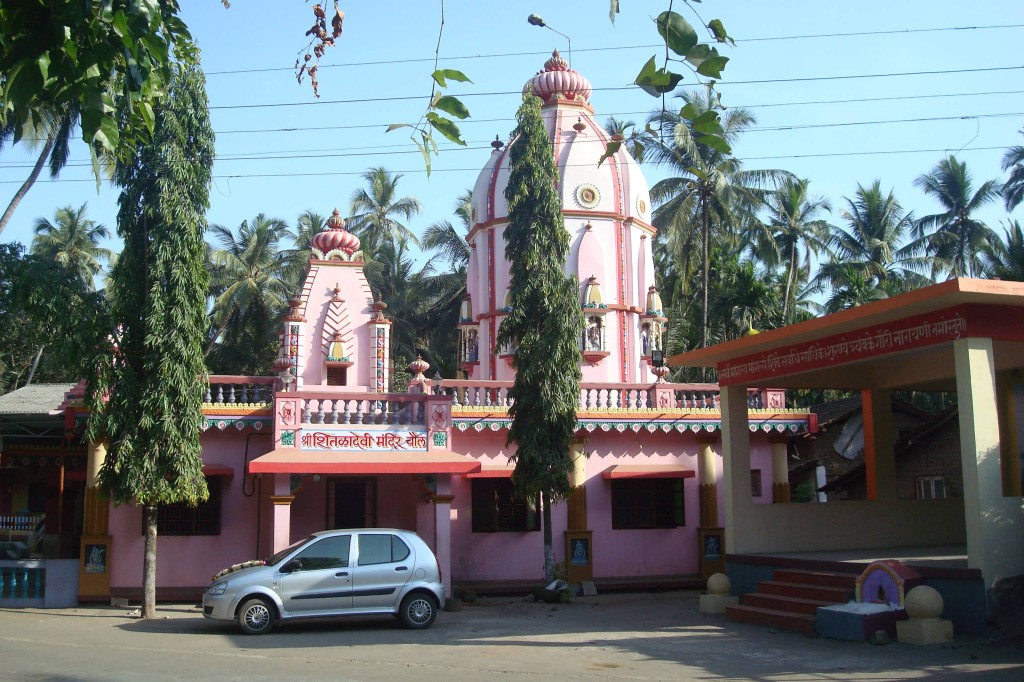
256 617
418 611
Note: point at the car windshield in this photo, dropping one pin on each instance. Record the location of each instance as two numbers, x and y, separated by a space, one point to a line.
279 557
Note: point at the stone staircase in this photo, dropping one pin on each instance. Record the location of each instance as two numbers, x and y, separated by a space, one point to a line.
790 600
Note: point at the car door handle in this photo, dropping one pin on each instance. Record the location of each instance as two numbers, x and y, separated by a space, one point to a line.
341 574
399 569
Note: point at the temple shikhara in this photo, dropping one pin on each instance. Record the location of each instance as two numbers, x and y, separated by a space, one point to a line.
326 443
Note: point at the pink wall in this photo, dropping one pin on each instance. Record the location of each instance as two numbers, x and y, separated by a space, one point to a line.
189 561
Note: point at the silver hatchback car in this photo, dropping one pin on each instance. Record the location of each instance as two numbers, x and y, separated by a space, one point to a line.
332 573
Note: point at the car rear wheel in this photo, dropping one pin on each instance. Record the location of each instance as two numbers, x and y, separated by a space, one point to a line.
256 616
418 611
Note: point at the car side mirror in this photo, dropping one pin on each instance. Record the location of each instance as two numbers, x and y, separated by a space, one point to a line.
292 566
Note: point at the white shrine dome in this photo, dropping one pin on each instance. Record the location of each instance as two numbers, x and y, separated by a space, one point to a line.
617 187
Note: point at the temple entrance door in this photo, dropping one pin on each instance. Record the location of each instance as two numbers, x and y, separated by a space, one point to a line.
354 503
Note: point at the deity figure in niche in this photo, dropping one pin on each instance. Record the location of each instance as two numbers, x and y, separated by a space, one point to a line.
593 338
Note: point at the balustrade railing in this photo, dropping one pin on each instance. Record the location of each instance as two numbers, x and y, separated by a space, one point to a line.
593 396
227 390
363 408
29 526
390 408
22 582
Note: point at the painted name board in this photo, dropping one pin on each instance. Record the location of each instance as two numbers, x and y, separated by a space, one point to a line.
914 332
363 440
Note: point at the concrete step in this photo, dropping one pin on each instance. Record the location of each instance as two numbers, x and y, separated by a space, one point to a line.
772 618
780 603
826 578
834 595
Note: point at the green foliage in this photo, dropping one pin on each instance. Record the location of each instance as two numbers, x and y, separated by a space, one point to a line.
955 237
35 296
804 492
72 241
250 284
1013 188
146 396
545 323
109 60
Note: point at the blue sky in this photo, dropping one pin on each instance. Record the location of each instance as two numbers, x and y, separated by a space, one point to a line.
282 151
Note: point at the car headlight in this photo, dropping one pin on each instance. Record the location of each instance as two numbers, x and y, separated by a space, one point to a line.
217 589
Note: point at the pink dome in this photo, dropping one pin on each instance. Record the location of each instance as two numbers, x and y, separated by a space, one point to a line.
335 237
558 78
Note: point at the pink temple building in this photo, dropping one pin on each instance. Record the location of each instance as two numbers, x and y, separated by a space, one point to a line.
323 444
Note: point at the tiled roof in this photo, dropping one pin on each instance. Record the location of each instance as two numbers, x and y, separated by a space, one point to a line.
34 399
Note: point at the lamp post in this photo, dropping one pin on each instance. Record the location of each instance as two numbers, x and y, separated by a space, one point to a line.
535 20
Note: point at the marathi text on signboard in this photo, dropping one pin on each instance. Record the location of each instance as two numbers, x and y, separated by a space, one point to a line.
364 440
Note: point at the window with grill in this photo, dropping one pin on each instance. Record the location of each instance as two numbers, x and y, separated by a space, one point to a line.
498 509
647 503
182 519
336 376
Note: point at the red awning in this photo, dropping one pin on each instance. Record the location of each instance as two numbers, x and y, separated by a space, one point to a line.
493 471
647 471
218 470
287 461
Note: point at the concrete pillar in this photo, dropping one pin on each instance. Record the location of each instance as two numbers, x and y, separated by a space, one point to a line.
577 501
736 465
707 476
879 444
995 524
443 529
282 500
96 545
780 470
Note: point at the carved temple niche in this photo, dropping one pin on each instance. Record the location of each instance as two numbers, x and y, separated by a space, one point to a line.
594 343
469 337
652 324
337 363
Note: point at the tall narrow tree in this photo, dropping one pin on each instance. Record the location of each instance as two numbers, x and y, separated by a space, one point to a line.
146 399
545 323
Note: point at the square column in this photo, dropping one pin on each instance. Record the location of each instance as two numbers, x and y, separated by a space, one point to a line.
879 444
443 529
282 499
995 524
736 464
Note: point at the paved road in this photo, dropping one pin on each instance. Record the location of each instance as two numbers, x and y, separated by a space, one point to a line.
608 637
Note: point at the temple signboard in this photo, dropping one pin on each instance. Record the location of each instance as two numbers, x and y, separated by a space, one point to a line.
351 440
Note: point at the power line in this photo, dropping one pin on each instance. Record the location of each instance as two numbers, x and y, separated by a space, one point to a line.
237 176
509 119
401 98
613 48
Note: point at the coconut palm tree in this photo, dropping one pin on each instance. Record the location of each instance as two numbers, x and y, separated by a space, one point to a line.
250 291
445 289
874 255
396 282
792 233
376 210
309 223
1013 189
955 237
54 129
1005 259
635 141
72 240
708 194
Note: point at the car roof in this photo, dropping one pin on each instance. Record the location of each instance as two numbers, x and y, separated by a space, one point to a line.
335 531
